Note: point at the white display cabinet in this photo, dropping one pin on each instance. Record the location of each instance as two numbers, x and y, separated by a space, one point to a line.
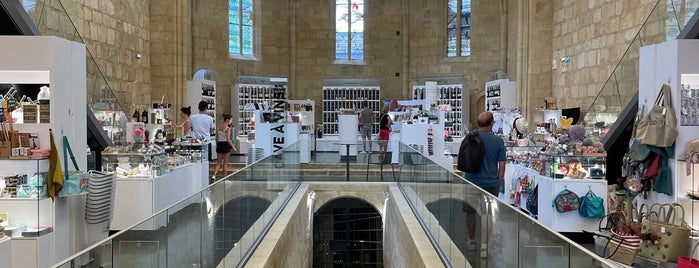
253 93
304 111
202 90
449 99
158 120
340 94
60 64
553 120
499 94
675 63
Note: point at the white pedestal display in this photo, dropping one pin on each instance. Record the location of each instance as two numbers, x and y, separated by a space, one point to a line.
348 134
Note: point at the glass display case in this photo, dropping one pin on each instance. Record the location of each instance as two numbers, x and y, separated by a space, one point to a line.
526 156
573 166
192 152
26 211
137 165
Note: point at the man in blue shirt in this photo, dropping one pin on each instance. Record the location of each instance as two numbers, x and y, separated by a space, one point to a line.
489 177
492 170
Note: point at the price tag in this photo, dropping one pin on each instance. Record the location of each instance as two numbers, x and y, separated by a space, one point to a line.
662 229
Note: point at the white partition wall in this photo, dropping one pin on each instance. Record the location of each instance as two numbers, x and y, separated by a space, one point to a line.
62 64
670 63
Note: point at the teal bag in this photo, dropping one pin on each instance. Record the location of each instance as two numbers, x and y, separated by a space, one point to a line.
591 205
75 182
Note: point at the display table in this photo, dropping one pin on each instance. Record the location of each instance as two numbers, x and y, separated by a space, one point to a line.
548 189
138 198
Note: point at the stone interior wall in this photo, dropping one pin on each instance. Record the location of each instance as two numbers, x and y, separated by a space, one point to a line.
209 48
595 35
169 20
405 40
114 32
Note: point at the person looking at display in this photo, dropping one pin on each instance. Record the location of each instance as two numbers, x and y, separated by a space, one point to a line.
489 177
202 123
186 126
492 171
366 120
384 129
224 145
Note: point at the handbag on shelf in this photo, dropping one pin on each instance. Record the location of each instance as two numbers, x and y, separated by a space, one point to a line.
75 182
566 201
665 233
659 126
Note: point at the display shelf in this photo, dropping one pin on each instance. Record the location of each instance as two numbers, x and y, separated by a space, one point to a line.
304 112
450 101
158 123
58 66
500 94
254 93
336 98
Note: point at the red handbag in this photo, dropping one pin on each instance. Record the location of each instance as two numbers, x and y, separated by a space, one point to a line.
688 261
653 167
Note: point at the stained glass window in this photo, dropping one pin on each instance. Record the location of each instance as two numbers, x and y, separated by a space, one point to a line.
349 29
458 28
240 27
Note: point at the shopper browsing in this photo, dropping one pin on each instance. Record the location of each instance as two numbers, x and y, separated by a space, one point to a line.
492 171
385 123
224 145
366 120
186 126
202 123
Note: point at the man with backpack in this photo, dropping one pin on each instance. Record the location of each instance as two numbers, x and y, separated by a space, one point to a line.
482 156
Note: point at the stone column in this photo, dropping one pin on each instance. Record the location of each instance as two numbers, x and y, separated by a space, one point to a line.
534 48
170 55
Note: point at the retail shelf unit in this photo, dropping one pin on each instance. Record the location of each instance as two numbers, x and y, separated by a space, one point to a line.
202 90
450 101
252 91
159 120
500 94
61 65
340 94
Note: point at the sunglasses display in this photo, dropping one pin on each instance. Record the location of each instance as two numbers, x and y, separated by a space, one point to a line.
447 96
336 98
251 94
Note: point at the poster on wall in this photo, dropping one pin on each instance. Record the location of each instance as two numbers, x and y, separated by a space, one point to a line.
689 103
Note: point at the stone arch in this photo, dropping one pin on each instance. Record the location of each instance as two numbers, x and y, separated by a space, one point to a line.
347 230
369 198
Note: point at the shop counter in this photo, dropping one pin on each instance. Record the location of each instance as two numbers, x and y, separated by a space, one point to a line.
139 198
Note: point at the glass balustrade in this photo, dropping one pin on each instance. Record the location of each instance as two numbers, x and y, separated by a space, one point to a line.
472 228
219 226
